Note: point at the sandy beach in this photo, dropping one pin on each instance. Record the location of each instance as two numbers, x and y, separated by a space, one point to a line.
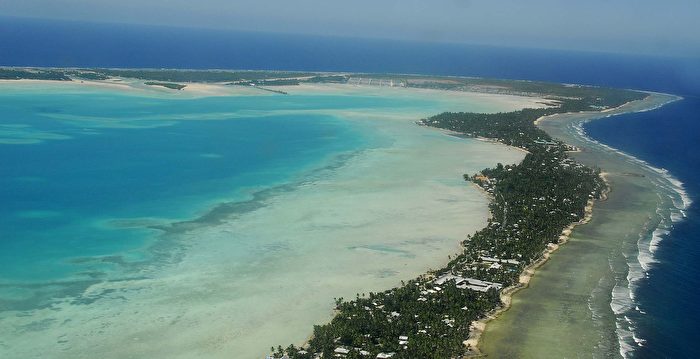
135 86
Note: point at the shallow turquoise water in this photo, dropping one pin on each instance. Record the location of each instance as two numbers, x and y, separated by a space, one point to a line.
110 158
152 223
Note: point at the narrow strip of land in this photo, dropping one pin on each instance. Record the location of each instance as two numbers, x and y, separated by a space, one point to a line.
533 204
568 301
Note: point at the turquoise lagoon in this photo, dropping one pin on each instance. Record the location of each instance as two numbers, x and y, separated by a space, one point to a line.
89 164
150 223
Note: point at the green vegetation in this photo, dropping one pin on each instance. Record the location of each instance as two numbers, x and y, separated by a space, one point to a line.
264 78
276 82
169 85
32 74
568 98
200 75
341 79
578 97
516 128
532 203
87 75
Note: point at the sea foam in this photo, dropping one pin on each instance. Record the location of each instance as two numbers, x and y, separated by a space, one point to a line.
673 202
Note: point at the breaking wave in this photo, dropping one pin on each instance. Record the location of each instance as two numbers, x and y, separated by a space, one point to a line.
673 202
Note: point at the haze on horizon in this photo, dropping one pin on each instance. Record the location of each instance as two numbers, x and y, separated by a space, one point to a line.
643 26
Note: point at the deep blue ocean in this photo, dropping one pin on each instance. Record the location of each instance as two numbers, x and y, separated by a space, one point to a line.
667 138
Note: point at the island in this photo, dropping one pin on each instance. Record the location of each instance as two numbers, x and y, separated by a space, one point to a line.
534 205
169 85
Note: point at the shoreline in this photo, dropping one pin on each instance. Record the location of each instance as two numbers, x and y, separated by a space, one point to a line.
434 192
530 270
583 212
479 327
527 274
565 134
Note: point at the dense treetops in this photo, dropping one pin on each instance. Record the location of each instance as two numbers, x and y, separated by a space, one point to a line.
569 97
199 75
516 128
32 74
532 203
170 85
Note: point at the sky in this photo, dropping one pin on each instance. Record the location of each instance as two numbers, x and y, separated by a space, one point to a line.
668 27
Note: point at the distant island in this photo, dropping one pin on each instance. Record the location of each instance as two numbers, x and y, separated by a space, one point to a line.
578 97
534 205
